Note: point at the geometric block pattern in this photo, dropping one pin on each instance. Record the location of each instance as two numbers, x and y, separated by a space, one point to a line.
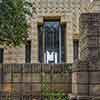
67 10
31 80
85 72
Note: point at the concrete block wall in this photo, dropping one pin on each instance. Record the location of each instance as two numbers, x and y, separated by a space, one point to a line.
29 79
86 71
90 35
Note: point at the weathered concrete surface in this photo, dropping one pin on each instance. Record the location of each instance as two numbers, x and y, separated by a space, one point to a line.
29 79
86 71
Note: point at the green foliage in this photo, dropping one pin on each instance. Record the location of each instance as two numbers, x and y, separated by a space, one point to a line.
67 67
13 22
52 95
48 94
57 95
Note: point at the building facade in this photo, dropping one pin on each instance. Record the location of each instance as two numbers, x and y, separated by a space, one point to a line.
94 6
53 35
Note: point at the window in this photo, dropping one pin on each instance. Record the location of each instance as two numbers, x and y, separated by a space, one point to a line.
51 42
1 55
40 45
75 49
28 52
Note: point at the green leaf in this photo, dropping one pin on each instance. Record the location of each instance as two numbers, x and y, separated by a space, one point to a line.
13 22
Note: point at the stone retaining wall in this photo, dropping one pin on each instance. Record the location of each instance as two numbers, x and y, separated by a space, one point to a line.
28 79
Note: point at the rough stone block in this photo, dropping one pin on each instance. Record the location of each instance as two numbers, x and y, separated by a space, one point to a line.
95 77
94 90
80 77
90 33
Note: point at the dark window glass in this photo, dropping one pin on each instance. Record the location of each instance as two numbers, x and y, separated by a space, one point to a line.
76 49
63 31
51 42
40 45
28 52
1 55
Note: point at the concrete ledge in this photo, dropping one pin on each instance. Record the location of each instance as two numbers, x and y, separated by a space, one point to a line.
79 97
96 98
82 97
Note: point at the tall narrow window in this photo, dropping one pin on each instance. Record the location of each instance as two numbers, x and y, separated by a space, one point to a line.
40 45
1 55
28 52
63 31
76 49
51 42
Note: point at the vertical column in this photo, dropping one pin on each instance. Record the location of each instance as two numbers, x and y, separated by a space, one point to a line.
34 46
69 34
60 44
69 43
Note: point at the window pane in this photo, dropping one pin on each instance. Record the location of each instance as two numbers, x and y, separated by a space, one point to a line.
76 49
28 52
1 55
51 42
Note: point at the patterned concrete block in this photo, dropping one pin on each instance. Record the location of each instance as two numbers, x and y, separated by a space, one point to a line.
86 71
